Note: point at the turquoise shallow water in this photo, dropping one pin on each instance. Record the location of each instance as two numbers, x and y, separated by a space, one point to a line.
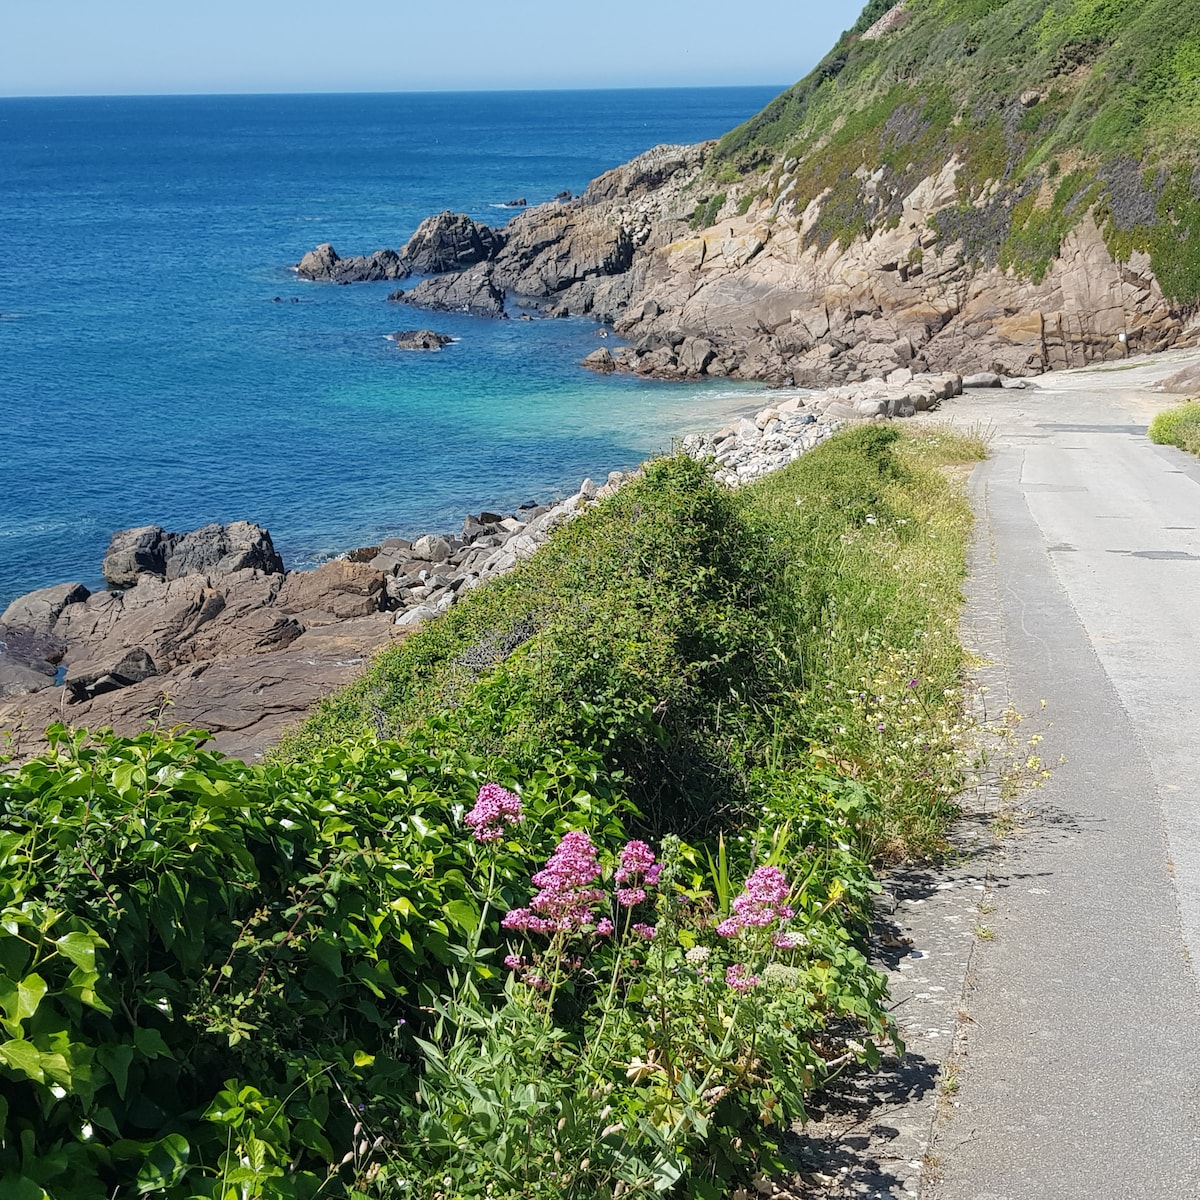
148 376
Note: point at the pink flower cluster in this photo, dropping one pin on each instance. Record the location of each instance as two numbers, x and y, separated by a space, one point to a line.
494 808
761 903
739 978
637 871
567 894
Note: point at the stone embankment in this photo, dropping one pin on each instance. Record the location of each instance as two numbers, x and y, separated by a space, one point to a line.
208 629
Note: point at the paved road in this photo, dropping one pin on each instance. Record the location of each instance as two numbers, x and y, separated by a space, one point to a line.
1081 1061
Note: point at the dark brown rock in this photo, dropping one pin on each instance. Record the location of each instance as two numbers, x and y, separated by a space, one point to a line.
108 673
336 591
420 339
246 703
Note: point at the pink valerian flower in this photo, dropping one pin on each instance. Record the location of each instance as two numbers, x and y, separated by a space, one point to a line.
604 927
739 978
567 896
649 932
761 903
637 860
494 808
514 962
787 941
636 870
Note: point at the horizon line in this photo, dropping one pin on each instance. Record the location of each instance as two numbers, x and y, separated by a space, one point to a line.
652 87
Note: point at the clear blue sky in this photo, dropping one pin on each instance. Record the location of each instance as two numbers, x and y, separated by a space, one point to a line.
107 47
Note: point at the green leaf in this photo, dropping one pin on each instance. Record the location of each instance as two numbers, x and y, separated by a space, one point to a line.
80 948
463 914
21 1187
165 1165
363 1059
23 1057
115 1060
30 992
150 1043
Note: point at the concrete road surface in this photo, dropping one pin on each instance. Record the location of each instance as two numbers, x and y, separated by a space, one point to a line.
1079 1060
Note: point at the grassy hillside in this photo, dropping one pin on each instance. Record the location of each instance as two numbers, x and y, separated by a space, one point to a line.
1053 107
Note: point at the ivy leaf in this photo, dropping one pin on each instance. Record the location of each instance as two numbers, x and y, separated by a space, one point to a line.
80 948
463 914
150 1043
23 1057
166 1164
30 992
21 1187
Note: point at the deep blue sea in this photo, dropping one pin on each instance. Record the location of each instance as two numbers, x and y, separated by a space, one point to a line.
148 377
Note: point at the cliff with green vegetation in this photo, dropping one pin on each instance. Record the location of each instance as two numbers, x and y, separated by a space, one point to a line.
975 184
965 185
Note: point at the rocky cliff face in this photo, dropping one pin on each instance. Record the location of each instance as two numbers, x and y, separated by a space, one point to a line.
957 186
775 305
753 295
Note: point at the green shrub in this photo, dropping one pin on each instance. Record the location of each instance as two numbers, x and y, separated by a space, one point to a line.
206 967
641 632
1179 426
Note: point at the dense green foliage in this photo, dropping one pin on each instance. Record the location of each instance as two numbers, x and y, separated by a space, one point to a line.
1179 426
231 981
643 631
1105 91
203 962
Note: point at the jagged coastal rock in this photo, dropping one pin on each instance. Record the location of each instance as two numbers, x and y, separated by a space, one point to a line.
420 339
474 291
445 242
752 297
324 263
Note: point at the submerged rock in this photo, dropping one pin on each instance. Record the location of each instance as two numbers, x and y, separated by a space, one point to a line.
420 339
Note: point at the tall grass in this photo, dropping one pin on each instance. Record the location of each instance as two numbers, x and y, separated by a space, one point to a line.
875 534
